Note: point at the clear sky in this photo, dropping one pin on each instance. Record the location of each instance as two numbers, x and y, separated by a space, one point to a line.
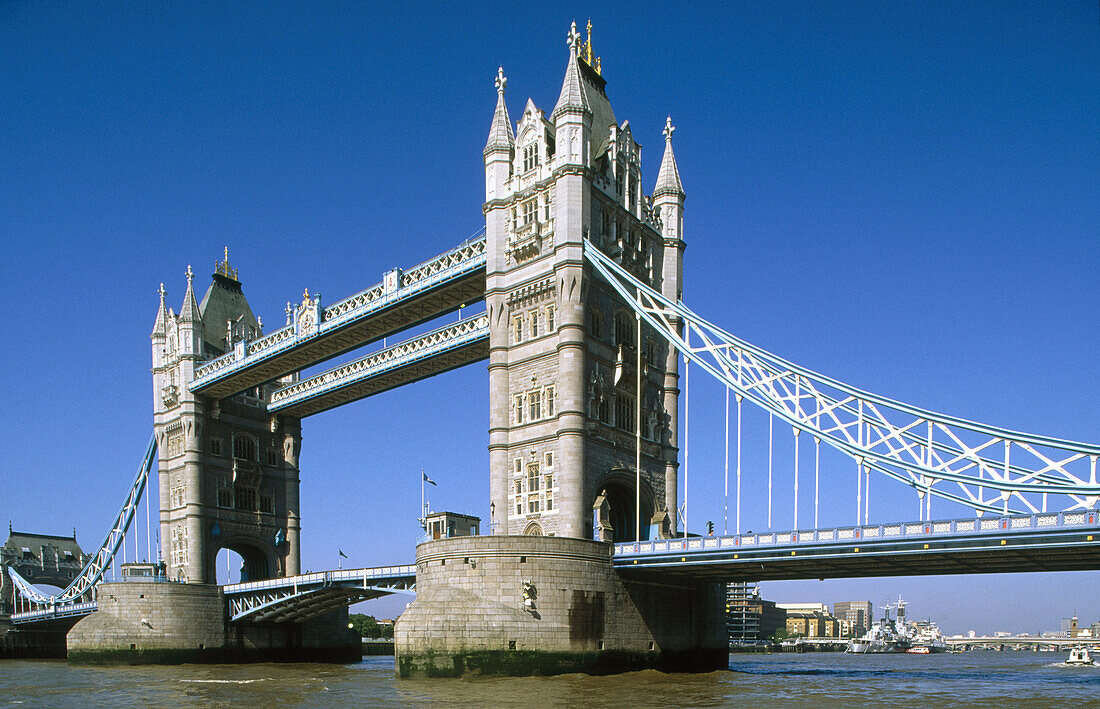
903 196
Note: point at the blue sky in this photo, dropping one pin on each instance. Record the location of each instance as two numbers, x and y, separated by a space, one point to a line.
901 196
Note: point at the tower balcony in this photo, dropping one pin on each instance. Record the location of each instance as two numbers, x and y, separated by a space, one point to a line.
525 242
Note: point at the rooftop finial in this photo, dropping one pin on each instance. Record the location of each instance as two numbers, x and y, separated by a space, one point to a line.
669 129
222 268
162 292
574 38
190 274
502 80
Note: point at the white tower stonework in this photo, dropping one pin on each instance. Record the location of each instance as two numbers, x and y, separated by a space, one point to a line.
563 374
228 471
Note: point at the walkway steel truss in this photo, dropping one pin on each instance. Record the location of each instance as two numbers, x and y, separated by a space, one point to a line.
404 299
441 350
990 469
299 598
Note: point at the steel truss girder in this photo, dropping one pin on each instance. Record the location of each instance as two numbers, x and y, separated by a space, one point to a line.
436 287
299 598
82 588
974 464
446 348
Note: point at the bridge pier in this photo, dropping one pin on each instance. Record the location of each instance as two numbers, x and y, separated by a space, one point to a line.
172 623
523 605
36 643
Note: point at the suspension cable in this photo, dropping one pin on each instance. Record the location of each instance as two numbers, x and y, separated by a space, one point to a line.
726 468
817 476
770 421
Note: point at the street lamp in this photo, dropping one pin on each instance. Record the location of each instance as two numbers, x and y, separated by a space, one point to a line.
492 516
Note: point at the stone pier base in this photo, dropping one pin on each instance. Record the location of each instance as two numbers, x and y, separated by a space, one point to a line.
519 605
168 623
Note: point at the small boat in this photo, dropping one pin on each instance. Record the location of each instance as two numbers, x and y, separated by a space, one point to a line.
1079 656
919 650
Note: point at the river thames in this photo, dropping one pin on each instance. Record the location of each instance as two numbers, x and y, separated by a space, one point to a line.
985 679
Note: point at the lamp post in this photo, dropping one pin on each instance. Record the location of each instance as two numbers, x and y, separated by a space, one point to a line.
492 517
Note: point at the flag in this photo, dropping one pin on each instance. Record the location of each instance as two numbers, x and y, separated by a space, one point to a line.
341 552
427 479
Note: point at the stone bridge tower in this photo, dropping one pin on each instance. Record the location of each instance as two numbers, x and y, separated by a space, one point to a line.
228 471
564 348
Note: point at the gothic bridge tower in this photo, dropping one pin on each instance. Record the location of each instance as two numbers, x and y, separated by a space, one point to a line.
228 470
563 373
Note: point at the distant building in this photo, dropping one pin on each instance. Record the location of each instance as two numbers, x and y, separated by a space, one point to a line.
857 614
803 607
40 559
812 623
749 618
1069 626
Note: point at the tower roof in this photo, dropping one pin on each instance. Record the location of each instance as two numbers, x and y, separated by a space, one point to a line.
222 304
189 311
500 133
160 326
668 179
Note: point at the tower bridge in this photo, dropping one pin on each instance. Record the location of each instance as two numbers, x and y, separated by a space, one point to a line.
586 333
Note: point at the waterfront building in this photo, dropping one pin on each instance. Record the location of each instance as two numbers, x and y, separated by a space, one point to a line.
858 614
749 618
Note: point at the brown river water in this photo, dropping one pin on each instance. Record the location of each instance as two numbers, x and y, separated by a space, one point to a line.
817 680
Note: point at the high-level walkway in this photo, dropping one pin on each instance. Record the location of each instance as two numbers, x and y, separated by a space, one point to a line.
403 299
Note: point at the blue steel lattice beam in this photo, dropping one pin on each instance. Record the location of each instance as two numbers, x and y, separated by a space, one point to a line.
977 465
82 588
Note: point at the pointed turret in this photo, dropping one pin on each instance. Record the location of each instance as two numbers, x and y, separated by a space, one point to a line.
573 97
500 133
668 179
189 311
500 149
160 326
189 321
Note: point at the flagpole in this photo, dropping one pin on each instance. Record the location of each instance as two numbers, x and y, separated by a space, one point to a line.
423 510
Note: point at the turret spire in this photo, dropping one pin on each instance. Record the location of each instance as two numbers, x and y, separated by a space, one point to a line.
160 326
189 311
668 179
500 133
573 95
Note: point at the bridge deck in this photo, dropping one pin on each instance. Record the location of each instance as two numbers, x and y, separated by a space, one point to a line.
1042 542
439 351
427 291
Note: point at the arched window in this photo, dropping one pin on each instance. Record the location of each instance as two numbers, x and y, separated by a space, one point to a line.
244 447
624 329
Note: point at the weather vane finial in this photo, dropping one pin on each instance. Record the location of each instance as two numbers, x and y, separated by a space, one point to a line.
574 38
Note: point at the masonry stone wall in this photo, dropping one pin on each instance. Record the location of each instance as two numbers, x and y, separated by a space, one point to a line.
470 615
156 622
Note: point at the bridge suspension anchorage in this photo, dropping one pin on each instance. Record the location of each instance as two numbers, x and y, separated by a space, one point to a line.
82 588
986 468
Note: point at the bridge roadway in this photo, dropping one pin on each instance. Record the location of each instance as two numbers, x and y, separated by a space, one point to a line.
279 600
1068 541
404 299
